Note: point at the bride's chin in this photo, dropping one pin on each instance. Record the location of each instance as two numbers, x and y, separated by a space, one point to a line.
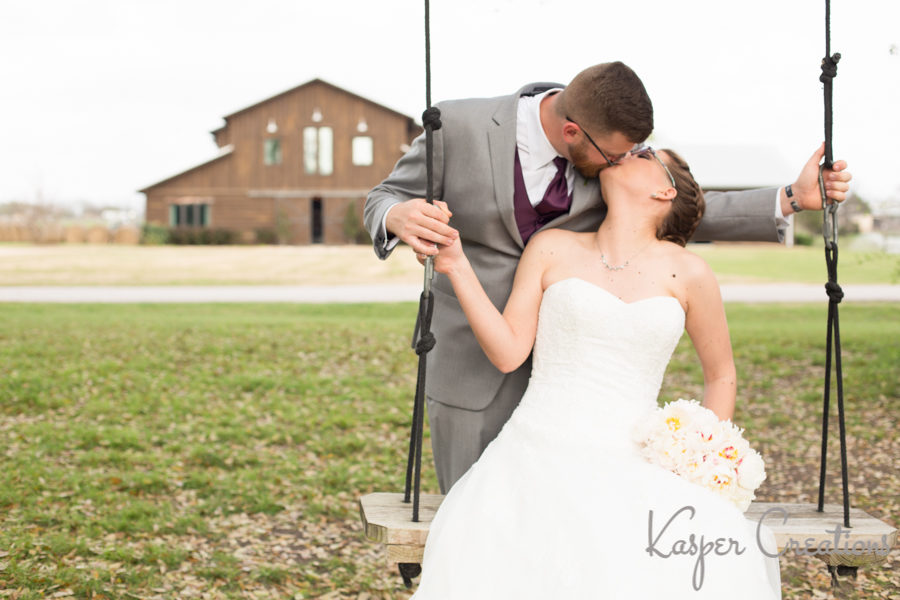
606 178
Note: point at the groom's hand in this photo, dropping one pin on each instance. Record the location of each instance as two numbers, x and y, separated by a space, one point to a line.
421 225
806 189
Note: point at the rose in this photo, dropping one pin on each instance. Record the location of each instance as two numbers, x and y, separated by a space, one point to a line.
689 440
751 471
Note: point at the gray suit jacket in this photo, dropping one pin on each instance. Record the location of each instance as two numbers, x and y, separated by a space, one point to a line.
473 173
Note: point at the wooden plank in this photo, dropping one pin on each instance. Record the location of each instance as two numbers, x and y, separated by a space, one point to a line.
397 553
797 528
386 518
802 529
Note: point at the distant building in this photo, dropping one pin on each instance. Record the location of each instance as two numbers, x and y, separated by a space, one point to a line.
295 167
732 167
735 167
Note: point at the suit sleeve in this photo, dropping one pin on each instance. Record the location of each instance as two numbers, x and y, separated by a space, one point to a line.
407 181
747 216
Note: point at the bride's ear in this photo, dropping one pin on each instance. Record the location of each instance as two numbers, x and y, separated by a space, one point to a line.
666 195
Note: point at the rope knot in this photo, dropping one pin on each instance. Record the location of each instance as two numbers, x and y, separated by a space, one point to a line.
834 291
829 67
425 343
432 118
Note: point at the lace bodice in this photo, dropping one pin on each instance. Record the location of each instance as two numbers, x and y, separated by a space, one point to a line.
607 355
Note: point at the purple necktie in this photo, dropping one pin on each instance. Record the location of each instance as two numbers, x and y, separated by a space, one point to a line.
555 202
556 198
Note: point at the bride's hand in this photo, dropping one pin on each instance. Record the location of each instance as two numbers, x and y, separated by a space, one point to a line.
449 257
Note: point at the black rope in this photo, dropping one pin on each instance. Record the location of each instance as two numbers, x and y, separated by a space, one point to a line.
833 339
832 288
423 340
829 72
423 346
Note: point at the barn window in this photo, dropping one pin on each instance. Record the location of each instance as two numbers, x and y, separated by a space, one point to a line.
362 151
272 151
318 150
189 215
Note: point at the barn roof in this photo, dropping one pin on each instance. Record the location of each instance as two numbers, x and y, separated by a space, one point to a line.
309 83
225 152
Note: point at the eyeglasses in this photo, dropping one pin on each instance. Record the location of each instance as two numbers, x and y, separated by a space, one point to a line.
645 151
610 161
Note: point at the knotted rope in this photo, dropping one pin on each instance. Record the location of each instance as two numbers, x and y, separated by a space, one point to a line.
423 340
832 288
829 72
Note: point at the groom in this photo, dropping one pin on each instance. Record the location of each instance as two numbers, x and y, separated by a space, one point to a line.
506 168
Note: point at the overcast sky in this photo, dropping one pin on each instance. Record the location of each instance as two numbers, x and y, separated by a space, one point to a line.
103 97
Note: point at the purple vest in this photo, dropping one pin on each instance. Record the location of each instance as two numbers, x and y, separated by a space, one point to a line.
531 218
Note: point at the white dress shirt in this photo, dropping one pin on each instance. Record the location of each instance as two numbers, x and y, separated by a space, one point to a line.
535 152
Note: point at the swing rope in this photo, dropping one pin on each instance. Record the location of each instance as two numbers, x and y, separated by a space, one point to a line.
832 288
423 340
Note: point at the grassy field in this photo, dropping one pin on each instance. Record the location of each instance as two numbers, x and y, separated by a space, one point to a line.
76 264
218 451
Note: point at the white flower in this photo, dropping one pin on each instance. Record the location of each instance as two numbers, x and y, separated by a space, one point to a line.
689 440
751 471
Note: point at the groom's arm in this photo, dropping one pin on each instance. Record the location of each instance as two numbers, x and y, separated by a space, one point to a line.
762 215
741 216
395 210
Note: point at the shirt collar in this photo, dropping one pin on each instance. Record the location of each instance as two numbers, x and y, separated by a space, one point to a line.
542 151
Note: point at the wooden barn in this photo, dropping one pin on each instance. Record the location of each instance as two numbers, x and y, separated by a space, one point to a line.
294 168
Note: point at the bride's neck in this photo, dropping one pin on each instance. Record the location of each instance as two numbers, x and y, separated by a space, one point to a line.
623 231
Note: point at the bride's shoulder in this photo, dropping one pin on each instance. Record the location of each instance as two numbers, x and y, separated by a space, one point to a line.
690 267
555 241
548 248
555 236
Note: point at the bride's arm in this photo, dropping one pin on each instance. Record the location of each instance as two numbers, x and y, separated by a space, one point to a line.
706 324
506 338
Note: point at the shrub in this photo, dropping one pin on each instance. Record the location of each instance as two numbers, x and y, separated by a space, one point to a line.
201 236
154 235
353 229
801 238
266 235
222 237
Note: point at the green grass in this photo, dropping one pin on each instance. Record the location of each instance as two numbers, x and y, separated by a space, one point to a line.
163 450
769 263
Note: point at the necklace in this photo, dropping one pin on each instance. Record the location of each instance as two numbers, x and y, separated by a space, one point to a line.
610 267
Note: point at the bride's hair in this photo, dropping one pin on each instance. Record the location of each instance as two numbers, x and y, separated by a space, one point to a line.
687 207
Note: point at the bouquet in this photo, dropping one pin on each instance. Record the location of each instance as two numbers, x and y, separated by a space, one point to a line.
691 441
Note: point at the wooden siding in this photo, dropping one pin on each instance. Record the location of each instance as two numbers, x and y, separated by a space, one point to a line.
247 195
292 113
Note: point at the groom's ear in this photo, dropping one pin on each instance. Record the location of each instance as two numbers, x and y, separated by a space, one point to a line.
569 131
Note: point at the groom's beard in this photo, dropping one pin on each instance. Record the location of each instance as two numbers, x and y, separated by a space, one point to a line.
581 162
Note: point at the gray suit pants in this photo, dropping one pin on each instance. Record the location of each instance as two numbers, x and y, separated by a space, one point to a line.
459 435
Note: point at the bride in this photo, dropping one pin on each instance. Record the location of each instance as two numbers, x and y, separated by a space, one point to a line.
560 504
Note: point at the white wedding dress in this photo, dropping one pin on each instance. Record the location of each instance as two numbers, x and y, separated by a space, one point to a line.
558 504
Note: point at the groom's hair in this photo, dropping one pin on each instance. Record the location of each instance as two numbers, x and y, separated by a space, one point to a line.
606 98
688 206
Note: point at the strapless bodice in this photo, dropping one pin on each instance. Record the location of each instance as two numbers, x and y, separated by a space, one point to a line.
606 356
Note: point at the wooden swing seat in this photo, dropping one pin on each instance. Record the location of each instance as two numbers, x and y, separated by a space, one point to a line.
387 519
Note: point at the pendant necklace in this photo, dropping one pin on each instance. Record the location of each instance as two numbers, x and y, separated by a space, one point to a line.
610 267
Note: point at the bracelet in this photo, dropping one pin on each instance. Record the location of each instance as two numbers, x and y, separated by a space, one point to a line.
790 194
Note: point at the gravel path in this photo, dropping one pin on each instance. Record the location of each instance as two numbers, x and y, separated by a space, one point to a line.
381 293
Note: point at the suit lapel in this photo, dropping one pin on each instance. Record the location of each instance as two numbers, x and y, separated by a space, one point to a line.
502 145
